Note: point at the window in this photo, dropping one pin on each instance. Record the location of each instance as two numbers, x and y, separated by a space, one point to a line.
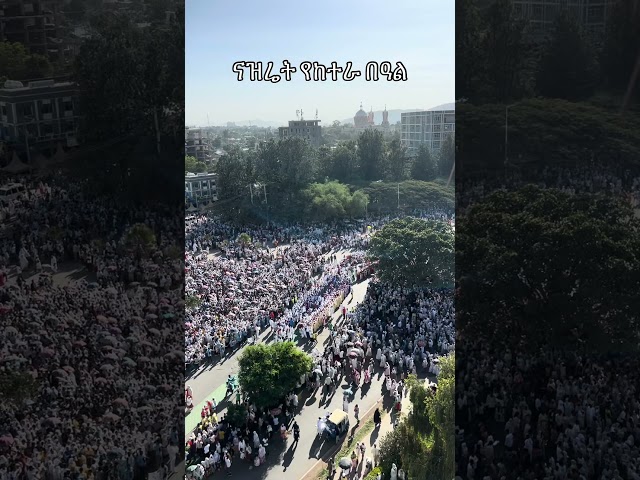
3 109
27 110
46 108
47 129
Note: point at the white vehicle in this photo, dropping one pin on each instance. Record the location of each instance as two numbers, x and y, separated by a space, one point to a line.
11 191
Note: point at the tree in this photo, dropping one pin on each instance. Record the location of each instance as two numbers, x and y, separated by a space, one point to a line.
543 267
447 158
128 79
231 171
423 444
325 162
244 239
414 194
141 239
333 201
471 58
269 372
190 164
506 66
358 204
335 124
343 162
441 408
16 63
371 155
622 45
424 166
568 68
413 251
397 161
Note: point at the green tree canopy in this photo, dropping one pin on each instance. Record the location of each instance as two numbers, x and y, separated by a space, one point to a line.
413 195
397 161
141 238
232 174
269 372
371 155
423 444
568 67
546 132
16 63
129 85
540 266
414 251
447 157
191 164
424 166
333 201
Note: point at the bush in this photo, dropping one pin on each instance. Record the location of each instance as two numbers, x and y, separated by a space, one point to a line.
373 474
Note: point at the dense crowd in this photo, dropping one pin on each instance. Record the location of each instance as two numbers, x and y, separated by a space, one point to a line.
276 275
542 413
95 360
394 332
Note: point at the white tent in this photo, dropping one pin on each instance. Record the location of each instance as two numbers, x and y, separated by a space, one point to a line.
16 165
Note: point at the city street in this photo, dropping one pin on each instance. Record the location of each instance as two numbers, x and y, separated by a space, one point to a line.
300 460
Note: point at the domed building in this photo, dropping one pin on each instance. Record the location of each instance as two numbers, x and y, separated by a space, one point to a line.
361 120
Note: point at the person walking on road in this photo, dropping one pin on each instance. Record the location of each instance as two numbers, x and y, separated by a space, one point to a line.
356 413
377 418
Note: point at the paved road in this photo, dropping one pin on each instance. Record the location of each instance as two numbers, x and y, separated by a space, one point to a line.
287 460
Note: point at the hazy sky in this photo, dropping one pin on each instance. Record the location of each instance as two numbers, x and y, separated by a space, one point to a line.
418 33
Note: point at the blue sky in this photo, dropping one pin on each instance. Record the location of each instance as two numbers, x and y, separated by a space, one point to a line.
418 33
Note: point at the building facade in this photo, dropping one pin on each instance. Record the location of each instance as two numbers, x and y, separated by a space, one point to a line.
196 144
310 130
429 127
200 188
38 115
541 15
363 120
38 25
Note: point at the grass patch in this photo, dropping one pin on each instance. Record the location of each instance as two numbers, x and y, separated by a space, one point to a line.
348 446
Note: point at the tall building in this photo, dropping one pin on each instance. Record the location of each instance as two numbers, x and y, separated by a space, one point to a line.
385 118
38 115
370 118
310 130
38 25
428 127
196 144
541 15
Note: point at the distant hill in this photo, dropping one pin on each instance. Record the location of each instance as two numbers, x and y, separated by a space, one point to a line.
395 115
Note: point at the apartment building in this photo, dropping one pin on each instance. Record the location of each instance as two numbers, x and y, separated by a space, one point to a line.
427 127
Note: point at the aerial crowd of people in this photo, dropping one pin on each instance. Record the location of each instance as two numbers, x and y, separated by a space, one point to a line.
543 412
91 337
394 332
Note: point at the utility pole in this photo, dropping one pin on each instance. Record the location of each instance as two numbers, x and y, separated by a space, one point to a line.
398 197
251 192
